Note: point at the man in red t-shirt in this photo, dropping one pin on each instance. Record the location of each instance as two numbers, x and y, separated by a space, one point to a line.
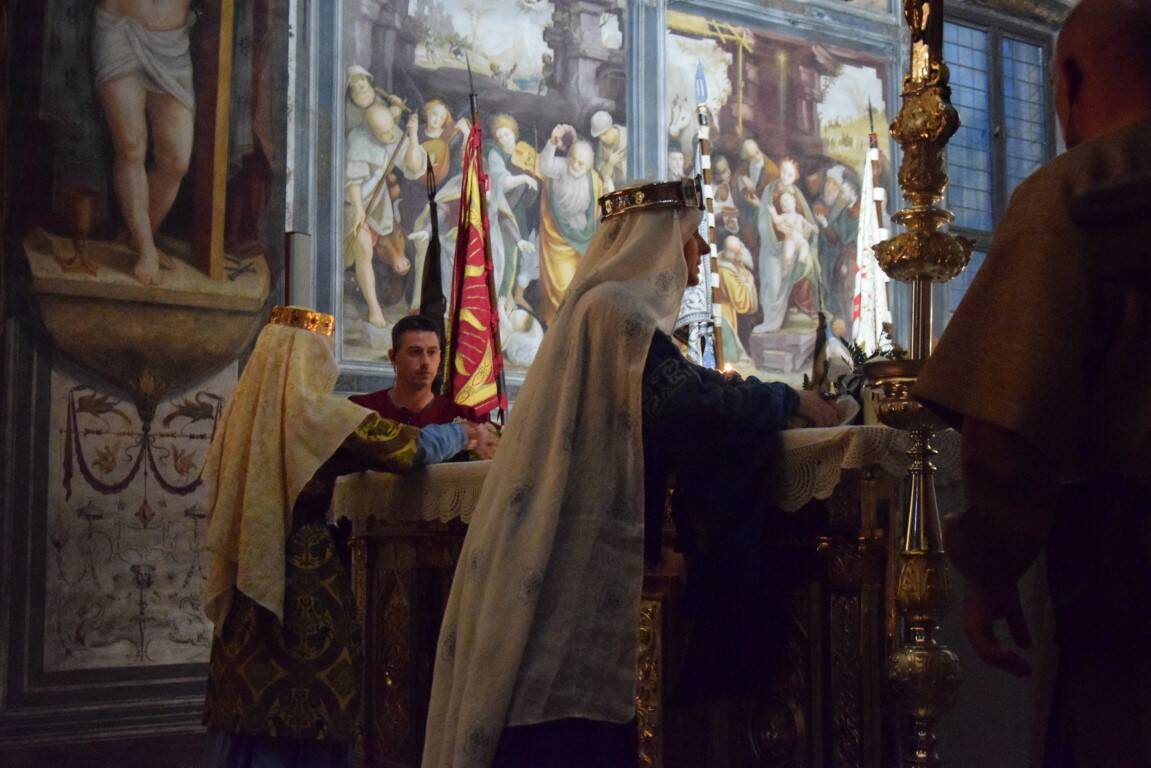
415 354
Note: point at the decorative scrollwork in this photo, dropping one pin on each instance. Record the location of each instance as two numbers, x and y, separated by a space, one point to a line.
935 256
777 727
774 731
393 672
846 664
923 588
923 676
924 679
649 669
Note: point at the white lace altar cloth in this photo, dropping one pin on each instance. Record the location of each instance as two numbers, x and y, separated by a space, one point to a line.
815 459
812 464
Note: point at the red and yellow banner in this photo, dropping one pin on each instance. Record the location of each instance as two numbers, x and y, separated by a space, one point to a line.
475 360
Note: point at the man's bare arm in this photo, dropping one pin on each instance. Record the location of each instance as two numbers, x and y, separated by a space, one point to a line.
414 162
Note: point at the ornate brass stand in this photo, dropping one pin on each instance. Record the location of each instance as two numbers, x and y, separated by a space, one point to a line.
923 676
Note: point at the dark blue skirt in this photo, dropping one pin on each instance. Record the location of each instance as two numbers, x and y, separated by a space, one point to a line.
242 750
569 743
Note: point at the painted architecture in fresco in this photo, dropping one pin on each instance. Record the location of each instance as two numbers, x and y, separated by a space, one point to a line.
550 82
873 6
147 232
791 119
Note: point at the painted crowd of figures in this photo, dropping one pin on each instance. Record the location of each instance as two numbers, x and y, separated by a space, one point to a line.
787 243
541 204
786 233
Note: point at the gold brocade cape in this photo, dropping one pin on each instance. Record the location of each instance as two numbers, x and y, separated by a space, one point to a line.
301 677
281 424
543 618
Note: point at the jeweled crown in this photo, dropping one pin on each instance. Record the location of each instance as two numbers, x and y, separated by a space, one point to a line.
685 193
305 319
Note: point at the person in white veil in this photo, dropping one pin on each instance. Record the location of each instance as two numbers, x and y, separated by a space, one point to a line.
283 686
537 650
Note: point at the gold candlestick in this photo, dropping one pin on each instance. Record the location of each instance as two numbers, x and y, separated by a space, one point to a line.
923 676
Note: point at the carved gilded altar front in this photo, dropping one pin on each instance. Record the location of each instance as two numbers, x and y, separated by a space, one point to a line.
824 710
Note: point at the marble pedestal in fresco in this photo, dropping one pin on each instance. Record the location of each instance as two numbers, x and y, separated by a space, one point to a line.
783 351
148 340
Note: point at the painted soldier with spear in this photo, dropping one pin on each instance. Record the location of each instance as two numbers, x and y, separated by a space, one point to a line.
375 148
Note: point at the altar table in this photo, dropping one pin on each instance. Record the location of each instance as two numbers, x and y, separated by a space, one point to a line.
838 486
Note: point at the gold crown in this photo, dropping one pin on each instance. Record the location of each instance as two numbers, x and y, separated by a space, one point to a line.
305 319
685 193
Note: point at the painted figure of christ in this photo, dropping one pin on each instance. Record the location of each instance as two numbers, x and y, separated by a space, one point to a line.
143 71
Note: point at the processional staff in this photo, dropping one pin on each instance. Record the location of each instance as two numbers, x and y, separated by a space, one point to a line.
704 118
474 182
489 265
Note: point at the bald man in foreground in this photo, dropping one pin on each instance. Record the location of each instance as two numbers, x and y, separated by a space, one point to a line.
1045 368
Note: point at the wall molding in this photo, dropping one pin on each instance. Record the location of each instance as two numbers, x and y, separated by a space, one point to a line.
38 707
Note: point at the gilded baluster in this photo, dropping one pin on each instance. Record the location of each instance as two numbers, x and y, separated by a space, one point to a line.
923 676
649 682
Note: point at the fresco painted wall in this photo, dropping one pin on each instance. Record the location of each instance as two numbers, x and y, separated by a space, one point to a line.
144 226
127 516
791 121
550 82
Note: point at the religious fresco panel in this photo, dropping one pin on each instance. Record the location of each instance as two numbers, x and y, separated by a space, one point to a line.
550 82
791 119
143 239
148 243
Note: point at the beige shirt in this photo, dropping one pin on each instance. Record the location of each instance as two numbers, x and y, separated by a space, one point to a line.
1051 340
